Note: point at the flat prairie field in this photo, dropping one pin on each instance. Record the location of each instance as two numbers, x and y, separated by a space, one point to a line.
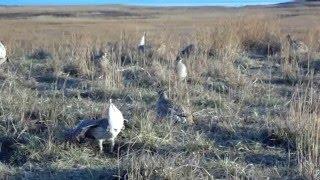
247 80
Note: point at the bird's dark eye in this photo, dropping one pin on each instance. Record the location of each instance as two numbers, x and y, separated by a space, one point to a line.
115 129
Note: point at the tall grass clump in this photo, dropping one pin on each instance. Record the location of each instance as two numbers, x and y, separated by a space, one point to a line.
260 35
304 121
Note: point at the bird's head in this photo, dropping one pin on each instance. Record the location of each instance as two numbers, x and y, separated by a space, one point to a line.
163 94
179 60
110 103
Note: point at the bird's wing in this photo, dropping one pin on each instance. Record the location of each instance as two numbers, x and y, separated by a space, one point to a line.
188 49
82 127
176 109
179 111
162 108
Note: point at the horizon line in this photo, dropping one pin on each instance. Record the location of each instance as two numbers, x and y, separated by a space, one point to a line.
240 4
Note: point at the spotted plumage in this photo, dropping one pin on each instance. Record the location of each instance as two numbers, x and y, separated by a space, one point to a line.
296 46
166 108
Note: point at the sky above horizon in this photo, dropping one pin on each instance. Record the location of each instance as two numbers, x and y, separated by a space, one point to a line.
143 2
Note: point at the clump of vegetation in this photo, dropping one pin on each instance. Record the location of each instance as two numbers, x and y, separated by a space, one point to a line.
304 117
40 54
255 109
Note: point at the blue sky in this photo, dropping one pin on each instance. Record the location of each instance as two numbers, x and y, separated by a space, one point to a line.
141 2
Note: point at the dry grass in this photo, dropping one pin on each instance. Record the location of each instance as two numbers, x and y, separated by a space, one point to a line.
249 100
304 117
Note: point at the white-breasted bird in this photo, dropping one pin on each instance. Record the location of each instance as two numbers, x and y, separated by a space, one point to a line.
142 44
3 53
116 122
100 129
181 70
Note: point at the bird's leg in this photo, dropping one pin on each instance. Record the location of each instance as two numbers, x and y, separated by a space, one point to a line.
186 91
112 145
101 145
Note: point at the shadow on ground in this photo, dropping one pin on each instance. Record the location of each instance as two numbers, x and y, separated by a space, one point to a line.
78 173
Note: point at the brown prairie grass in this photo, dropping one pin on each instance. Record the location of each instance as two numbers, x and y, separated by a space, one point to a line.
304 121
240 83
